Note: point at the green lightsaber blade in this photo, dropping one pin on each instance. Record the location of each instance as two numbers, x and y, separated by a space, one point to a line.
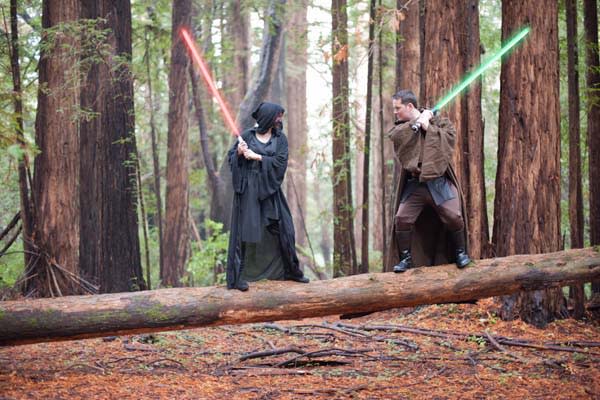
485 65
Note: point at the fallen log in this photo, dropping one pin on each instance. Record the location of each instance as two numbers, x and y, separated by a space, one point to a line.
76 317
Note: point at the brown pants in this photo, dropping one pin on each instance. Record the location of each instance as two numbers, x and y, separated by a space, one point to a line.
449 211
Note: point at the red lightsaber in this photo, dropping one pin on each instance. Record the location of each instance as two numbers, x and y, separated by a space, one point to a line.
200 64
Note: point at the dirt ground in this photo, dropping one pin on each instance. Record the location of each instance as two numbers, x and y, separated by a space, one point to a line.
435 352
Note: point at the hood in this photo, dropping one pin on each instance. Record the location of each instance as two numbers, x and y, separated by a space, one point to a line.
265 115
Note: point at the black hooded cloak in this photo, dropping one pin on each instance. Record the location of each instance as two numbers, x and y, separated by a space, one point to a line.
261 242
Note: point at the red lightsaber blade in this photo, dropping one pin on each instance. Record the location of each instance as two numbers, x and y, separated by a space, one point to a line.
200 64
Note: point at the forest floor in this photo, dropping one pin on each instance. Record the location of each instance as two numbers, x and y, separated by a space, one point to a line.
434 352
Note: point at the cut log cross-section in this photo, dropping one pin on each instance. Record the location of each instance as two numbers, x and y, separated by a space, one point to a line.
76 317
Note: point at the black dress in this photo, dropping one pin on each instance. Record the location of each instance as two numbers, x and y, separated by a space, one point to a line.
261 241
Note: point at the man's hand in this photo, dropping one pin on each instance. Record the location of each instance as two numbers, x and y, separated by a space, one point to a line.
424 118
242 147
250 155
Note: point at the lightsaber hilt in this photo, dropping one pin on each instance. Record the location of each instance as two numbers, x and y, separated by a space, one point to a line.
417 125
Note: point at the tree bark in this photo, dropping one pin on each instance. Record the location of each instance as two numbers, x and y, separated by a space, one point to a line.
408 49
344 252
177 226
56 174
109 246
575 190
590 22
527 204
297 131
77 317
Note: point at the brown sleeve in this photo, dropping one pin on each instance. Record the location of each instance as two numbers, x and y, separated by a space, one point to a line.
407 144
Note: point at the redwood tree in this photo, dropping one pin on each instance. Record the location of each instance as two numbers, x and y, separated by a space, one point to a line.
590 22
575 190
527 204
24 184
109 247
344 256
177 236
56 177
297 129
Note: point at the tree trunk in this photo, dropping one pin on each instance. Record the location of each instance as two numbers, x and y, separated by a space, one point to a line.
155 159
213 178
177 226
575 190
296 67
344 256
472 144
408 49
24 189
590 22
237 76
267 65
386 71
77 317
56 177
109 245
277 93
527 204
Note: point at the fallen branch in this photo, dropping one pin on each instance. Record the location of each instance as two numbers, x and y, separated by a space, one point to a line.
274 352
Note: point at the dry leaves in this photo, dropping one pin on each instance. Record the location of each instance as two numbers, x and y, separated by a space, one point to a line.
447 351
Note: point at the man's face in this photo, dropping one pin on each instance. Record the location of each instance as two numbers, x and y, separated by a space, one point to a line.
402 112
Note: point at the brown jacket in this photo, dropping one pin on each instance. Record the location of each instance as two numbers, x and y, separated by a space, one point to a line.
429 244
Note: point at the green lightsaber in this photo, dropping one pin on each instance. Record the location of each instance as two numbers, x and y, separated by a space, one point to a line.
476 73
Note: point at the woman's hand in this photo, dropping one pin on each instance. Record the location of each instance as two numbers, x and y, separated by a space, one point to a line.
251 155
242 147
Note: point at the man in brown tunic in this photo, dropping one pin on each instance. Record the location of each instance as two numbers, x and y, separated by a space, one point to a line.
429 228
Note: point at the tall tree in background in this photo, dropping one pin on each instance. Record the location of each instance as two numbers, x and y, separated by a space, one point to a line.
472 143
154 139
450 50
364 254
56 177
590 22
24 189
297 132
109 245
237 47
408 49
575 190
177 235
344 255
527 204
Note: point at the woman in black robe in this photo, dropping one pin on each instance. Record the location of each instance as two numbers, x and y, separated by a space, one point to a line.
261 241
